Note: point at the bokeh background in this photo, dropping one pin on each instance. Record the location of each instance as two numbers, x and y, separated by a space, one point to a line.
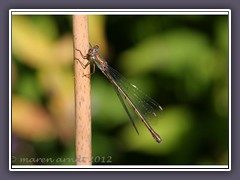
180 61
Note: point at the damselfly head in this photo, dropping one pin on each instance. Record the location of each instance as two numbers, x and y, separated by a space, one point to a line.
96 47
93 50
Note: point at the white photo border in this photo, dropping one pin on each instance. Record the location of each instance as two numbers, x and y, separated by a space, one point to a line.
119 12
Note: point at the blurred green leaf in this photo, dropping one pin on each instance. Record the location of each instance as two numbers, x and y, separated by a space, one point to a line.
222 33
29 88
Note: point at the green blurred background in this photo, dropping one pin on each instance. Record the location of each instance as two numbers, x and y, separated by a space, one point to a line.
180 61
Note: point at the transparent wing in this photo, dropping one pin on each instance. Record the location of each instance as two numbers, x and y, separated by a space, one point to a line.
125 108
147 107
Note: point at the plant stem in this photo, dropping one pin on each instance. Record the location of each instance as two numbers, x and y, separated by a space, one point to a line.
82 92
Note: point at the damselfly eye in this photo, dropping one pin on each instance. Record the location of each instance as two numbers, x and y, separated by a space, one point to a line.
96 47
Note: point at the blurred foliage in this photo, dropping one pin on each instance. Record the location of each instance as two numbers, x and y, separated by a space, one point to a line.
180 61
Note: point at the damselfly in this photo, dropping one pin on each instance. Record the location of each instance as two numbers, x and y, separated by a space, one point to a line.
144 106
